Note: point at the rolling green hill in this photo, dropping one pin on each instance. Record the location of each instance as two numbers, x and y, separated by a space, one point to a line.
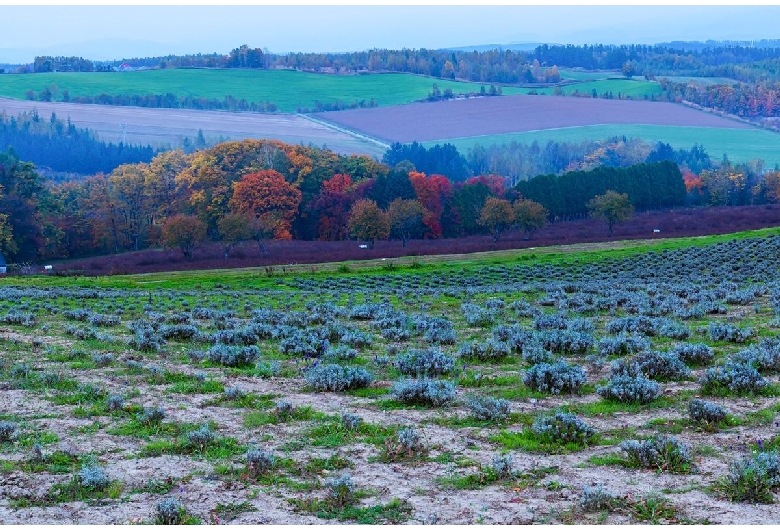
288 89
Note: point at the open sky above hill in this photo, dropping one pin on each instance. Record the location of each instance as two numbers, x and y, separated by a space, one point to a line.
113 32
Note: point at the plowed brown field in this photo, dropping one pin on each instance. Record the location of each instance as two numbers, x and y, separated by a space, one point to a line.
507 114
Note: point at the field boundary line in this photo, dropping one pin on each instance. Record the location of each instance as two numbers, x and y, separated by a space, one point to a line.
344 130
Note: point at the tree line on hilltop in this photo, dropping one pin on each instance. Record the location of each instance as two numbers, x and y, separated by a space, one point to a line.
753 91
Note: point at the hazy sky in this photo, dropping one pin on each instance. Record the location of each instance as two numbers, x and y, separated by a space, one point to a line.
179 29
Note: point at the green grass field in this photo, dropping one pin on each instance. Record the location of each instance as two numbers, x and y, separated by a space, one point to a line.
587 75
739 144
635 88
289 90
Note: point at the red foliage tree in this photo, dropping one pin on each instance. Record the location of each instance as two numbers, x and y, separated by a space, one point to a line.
431 191
496 183
266 193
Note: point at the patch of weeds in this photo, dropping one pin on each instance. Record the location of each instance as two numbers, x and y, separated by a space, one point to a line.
77 490
217 449
28 438
277 415
528 440
337 434
609 459
394 512
368 392
143 429
247 401
667 425
228 512
85 394
533 476
499 470
653 508
470 421
334 462
155 487
56 463
514 392
604 407
763 416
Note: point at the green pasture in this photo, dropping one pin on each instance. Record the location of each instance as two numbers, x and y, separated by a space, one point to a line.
587 75
268 277
740 145
288 89
635 88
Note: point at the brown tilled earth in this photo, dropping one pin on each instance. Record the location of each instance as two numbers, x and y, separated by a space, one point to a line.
507 114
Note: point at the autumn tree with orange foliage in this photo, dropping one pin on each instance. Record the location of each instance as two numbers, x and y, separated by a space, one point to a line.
184 231
267 194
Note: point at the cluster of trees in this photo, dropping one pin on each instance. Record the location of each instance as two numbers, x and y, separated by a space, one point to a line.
441 95
61 146
748 100
648 186
25 230
495 66
265 189
519 161
671 59
442 159
271 189
64 64
156 101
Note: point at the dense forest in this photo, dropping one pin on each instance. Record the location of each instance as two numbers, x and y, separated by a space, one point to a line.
62 147
265 189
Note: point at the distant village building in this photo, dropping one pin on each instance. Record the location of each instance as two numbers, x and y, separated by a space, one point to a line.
2 263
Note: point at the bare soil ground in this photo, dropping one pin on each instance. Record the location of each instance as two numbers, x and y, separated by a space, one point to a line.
499 115
671 223
160 127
